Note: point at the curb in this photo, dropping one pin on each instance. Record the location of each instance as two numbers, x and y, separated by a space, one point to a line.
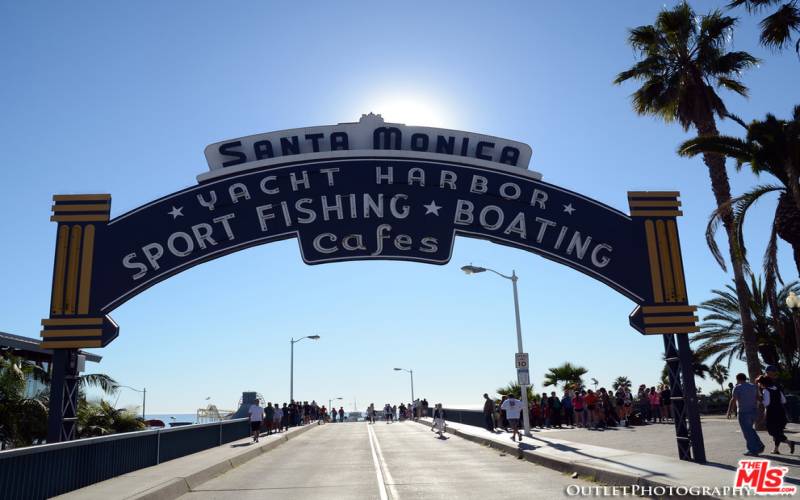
175 487
611 478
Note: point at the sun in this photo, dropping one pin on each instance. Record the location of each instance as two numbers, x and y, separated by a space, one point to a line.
411 109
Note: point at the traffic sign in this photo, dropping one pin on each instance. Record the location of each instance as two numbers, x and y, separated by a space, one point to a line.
521 360
523 376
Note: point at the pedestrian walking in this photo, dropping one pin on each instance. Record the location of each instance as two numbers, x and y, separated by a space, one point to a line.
269 417
285 417
774 402
341 414
256 413
488 410
513 409
438 419
387 413
745 397
277 418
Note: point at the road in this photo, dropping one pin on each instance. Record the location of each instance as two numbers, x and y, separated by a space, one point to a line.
384 461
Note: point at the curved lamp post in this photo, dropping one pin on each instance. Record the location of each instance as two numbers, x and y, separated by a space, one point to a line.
412 381
292 342
332 399
143 391
470 269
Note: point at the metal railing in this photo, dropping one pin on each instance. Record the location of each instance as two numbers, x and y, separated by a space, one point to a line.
52 469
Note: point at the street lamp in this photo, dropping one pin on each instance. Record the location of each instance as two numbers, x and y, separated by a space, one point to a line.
144 395
793 301
412 381
292 342
329 402
470 269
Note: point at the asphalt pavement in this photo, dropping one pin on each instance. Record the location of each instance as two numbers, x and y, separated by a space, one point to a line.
384 461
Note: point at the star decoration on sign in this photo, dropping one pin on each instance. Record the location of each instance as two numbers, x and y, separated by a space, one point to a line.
432 208
569 209
176 212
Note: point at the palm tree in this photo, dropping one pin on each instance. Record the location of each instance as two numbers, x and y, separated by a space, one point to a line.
99 419
771 146
23 419
683 61
699 369
567 373
514 389
720 337
595 383
623 382
719 374
777 28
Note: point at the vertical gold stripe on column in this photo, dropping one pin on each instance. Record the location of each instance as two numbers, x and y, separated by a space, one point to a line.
72 270
677 266
655 271
87 256
57 300
666 268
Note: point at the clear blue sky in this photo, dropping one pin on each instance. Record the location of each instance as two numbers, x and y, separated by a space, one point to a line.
122 97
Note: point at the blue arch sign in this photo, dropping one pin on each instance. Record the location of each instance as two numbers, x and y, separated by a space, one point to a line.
361 191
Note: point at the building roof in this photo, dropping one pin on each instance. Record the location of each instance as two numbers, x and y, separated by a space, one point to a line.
30 348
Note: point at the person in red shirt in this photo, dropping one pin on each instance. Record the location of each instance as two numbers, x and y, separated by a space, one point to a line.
591 409
578 404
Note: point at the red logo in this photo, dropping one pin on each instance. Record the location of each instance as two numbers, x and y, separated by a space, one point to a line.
760 476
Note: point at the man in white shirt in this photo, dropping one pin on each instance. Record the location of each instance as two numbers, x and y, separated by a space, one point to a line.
513 408
256 418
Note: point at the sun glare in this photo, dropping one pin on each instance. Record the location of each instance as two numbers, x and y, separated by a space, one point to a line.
411 110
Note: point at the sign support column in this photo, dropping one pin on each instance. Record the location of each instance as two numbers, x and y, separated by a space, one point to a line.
667 311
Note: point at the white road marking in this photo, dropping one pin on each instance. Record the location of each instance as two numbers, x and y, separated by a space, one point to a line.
385 466
378 472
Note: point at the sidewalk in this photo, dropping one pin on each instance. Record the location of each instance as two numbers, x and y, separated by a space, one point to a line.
606 465
176 477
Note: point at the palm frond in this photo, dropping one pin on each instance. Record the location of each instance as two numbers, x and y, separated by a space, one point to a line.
776 29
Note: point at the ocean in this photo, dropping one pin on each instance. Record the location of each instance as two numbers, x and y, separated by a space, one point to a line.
173 417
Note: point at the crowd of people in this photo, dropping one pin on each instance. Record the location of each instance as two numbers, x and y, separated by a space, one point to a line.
582 407
274 418
394 413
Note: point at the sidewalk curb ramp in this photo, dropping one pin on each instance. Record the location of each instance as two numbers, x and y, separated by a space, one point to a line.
185 481
599 474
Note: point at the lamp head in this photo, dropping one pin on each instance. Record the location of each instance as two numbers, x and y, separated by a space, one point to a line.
314 337
470 269
397 369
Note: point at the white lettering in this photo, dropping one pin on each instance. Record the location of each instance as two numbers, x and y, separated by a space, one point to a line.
265 189
602 260
202 233
403 213
238 190
464 209
127 261
317 243
187 240
208 204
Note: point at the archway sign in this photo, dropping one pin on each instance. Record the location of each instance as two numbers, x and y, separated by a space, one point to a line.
362 191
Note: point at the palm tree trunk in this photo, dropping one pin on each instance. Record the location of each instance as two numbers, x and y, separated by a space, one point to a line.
721 187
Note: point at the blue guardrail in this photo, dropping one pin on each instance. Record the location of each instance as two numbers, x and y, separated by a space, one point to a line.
52 469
